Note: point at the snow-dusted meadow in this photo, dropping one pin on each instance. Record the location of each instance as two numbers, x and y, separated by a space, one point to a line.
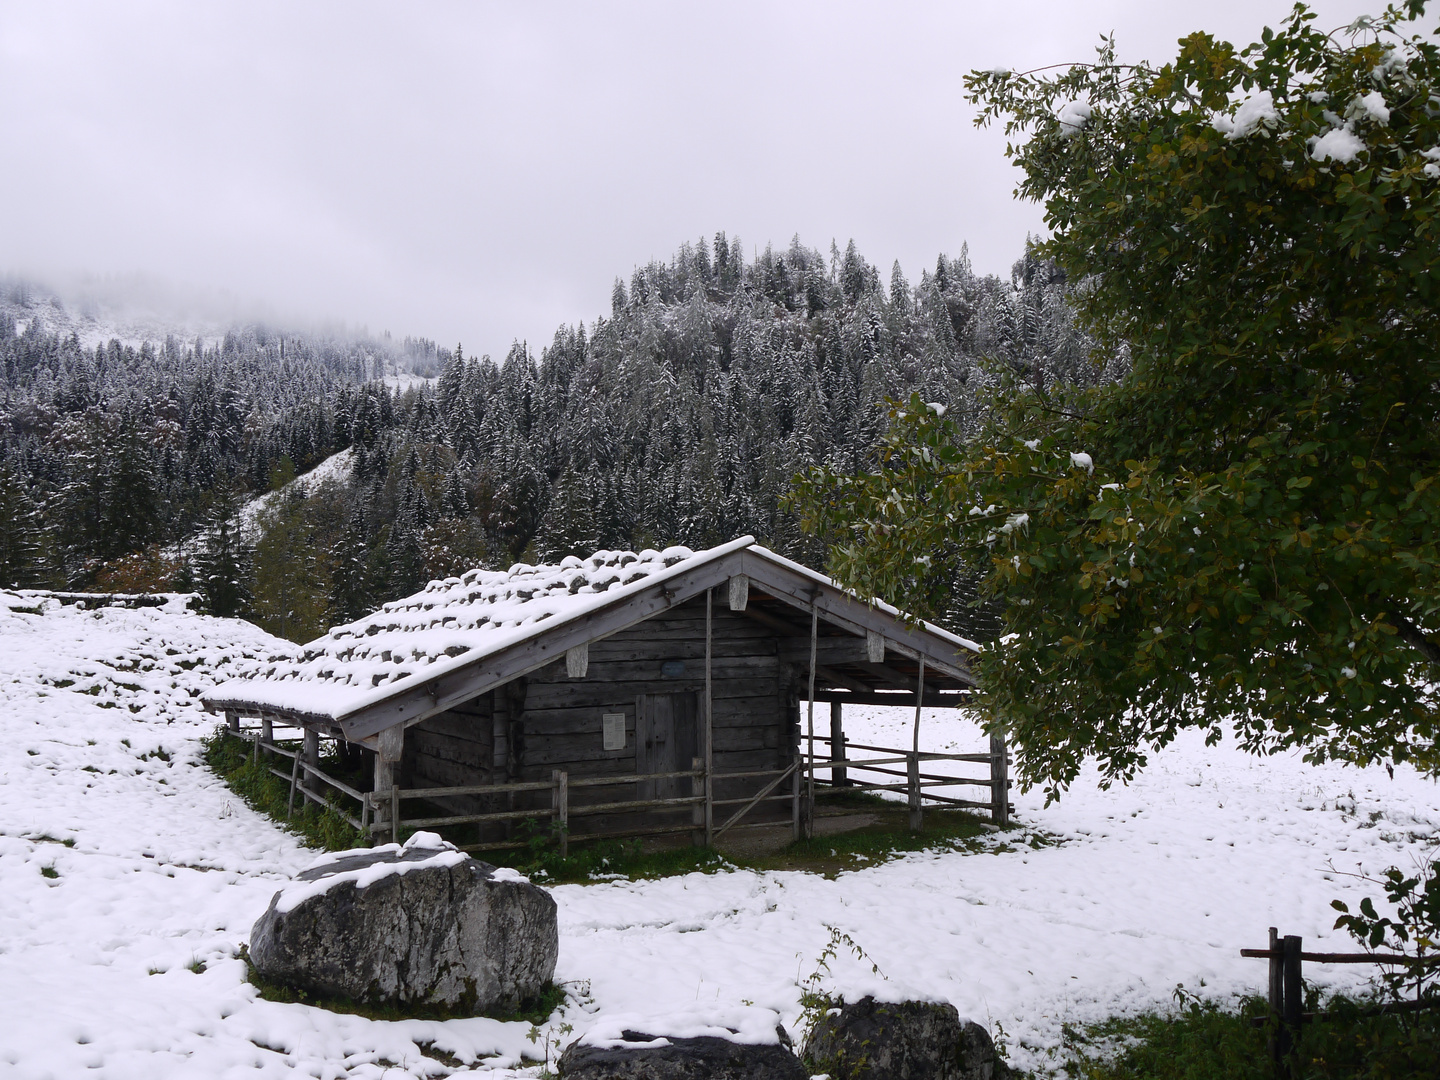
117 954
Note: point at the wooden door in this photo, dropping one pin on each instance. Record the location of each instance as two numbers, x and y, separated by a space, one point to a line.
665 741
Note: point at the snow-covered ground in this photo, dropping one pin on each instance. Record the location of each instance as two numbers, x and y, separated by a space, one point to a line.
1148 886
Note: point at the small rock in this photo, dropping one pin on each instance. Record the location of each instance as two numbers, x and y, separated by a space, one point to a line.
418 924
911 1040
706 1057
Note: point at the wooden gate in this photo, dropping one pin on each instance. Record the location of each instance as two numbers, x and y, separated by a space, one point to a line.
666 741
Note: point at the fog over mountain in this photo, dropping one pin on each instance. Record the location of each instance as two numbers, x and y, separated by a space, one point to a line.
482 172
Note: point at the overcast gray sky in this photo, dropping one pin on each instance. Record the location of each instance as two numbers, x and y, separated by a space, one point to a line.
482 172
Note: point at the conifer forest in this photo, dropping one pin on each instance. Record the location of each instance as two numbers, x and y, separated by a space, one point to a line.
681 417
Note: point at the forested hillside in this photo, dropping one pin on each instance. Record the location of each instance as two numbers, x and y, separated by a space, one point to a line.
679 418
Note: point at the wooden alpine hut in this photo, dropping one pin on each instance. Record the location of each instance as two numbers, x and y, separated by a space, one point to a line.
623 694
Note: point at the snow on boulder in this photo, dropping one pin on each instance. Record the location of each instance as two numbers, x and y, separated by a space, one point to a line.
870 1040
419 923
729 1044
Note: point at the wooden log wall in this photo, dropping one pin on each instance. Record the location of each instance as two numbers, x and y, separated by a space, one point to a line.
526 729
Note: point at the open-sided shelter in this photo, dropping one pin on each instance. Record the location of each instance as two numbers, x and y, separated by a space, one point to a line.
624 693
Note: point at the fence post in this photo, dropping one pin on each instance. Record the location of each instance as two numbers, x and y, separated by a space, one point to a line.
294 779
232 722
310 751
838 776
1294 991
267 731
912 769
999 782
1276 996
795 798
560 803
700 834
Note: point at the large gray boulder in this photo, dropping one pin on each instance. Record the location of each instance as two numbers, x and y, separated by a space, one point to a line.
418 924
703 1057
909 1040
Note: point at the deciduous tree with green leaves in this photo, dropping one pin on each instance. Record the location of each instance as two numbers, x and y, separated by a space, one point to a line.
1242 530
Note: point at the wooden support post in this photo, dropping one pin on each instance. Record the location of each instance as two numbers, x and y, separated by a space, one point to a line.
838 775
232 722
810 720
912 776
1276 990
560 803
999 782
917 812
311 753
699 812
708 764
1294 992
389 748
267 731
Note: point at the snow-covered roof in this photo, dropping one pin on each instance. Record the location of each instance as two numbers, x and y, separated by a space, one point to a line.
454 623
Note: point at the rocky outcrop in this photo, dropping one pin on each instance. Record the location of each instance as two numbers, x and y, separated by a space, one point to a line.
418 924
909 1040
706 1057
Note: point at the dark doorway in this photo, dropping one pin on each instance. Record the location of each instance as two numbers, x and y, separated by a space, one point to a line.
665 741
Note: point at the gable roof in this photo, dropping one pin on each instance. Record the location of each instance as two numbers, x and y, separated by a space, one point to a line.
421 654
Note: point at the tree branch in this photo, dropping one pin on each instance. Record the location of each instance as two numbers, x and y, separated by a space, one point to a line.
1413 635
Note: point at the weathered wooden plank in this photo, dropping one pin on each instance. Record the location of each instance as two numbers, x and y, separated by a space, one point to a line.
476 729
933 700
587 693
613 671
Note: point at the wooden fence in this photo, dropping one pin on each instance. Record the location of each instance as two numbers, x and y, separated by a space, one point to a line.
1286 989
918 786
382 812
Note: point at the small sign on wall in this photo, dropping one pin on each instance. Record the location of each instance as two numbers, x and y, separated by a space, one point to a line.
614 728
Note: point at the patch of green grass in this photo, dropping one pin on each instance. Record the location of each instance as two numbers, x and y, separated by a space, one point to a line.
321 827
887 837
589 859
49 872
535 1011
1205 1040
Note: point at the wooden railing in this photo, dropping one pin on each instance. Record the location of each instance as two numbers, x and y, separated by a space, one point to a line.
917 785
381 812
